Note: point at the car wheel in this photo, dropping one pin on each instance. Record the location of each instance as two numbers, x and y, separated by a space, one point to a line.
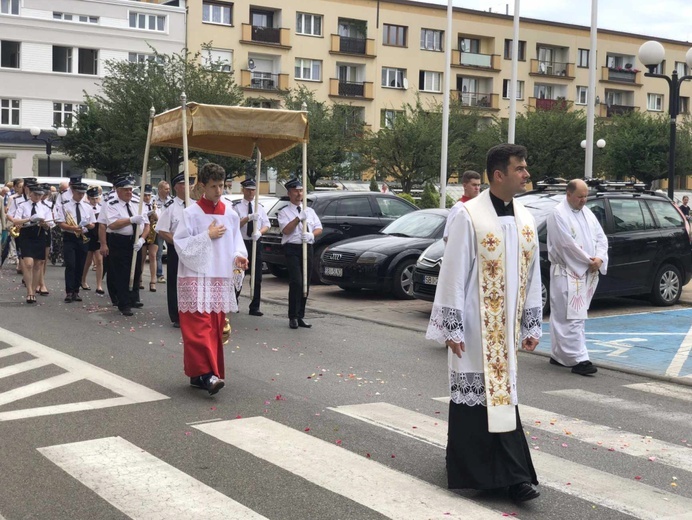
277 270
402 282
667 286
545 296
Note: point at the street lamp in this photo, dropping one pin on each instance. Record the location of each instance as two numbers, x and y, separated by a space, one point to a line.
36 131
600 144
651 54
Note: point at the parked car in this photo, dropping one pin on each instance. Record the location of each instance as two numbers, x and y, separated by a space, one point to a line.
343 215
648 242
384 261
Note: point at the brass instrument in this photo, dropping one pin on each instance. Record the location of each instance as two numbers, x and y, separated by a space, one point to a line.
226 334
14 231
153 218
69 220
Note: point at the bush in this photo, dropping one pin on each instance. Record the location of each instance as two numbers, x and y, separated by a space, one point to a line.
430 197
449 201
373 185
408 197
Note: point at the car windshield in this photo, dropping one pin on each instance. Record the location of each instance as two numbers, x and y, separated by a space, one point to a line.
541 205
418 224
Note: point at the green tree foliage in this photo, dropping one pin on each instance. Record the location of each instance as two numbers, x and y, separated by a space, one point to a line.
408 197
334 132
111 136
373 185
430 197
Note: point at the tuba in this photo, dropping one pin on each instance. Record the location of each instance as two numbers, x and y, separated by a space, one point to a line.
69 220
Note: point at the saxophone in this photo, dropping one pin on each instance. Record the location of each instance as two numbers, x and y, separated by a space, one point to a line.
153 218
69 220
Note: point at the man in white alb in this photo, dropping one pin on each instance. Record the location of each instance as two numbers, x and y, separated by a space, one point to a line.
578 251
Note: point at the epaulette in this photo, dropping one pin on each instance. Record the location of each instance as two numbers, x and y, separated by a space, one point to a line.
113 202
168 203
236 202
22 201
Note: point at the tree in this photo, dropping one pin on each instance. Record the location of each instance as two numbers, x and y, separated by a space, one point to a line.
333 136
430 198
373 185
121 110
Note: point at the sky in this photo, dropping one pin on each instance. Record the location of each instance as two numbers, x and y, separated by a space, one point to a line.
671 19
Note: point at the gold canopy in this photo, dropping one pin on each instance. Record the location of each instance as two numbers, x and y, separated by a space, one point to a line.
232 131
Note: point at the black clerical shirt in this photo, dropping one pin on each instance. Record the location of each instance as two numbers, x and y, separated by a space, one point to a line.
502 208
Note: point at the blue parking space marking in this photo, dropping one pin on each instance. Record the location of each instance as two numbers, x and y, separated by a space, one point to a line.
653 342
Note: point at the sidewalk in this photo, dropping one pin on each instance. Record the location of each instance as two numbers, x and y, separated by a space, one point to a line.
667 327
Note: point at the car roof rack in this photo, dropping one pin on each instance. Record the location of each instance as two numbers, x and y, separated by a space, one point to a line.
598 185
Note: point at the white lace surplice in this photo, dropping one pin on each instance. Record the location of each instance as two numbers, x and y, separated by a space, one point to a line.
456 311
206 281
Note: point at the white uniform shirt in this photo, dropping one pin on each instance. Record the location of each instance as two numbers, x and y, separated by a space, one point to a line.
171 215
241 208
24 211
116 210
14 203
85 211
290 212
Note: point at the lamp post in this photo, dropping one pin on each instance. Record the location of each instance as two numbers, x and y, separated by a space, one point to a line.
651 54
600 144
36 131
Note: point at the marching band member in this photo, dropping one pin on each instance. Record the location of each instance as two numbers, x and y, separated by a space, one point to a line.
94 246
163 195
46 201
149 250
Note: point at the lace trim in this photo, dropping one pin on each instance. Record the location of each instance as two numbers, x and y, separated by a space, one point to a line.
197 253
445 323
206 295
467 388
531 321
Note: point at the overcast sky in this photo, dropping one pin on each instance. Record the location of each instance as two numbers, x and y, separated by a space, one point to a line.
661 18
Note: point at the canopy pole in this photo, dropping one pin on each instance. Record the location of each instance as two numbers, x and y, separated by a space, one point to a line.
305 207
145 170
253 264
186 167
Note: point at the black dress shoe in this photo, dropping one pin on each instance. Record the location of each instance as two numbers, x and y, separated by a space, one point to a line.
523 492
176 324
126 311
138 305
254 312
76 297
68 298
303 323
293 323
585 368
554 361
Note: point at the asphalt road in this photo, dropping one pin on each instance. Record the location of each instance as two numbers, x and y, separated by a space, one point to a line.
294 434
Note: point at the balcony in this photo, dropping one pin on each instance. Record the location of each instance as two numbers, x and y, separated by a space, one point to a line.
549 104
475 60
620 75
616 110
554 69
265 81
271 36
352 46
351 89
476 99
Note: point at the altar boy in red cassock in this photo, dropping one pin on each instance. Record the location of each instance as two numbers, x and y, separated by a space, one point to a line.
212 260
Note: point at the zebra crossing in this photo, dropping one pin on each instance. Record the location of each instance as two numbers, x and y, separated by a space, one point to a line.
142 486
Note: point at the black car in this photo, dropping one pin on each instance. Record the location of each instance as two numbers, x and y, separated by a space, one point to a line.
343 215
385 261
648 242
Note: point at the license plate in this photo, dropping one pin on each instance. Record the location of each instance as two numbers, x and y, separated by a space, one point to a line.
333 271
430 280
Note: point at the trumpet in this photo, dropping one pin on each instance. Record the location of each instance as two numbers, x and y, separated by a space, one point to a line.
15 230
70 221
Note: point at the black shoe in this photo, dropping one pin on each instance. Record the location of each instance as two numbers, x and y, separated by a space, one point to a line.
293 323
176 324
138 305
126 311
100 291
523 492
197 382
254 312
68 298
554 361
303 323
585 368
212 383
76 297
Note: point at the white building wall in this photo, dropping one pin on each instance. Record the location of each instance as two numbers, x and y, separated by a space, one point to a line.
37 112
36 57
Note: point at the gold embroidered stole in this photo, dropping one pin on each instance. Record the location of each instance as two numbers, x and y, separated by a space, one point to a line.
498 349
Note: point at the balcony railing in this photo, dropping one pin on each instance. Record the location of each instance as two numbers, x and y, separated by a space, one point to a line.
263 80
476 60
279 36
552 68
620 75
618 110
476 99
351 89
549 104
348 45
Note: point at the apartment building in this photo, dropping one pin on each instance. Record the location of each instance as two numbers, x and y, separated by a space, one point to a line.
376 56
52 51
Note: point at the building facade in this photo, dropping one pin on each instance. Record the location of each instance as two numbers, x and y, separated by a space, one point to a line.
52 51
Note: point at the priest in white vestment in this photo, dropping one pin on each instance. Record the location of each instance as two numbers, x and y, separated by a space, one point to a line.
487 304
578 252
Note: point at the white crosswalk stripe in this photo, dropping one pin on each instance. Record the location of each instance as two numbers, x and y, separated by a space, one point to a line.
608 490
141 485
664 389
387 491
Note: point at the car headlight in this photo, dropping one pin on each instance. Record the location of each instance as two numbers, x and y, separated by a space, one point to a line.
371 258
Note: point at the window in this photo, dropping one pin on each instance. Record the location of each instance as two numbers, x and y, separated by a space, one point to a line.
213 13
392 207
505 89
660 68
75 17
149 22
654 102
58 168
9 6
681 67
627 215
393 77
522 50
309 24
431 40
668 216
430 81
88 61
310 70
582 95
62 59
684 107
354 207
218 60
470 45
394 35
137 57
261 18
63 113
9 54
583 58
9 112
387 117
597 207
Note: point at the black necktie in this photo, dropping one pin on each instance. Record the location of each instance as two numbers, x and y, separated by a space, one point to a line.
250 223
79 215
129 212
33 209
